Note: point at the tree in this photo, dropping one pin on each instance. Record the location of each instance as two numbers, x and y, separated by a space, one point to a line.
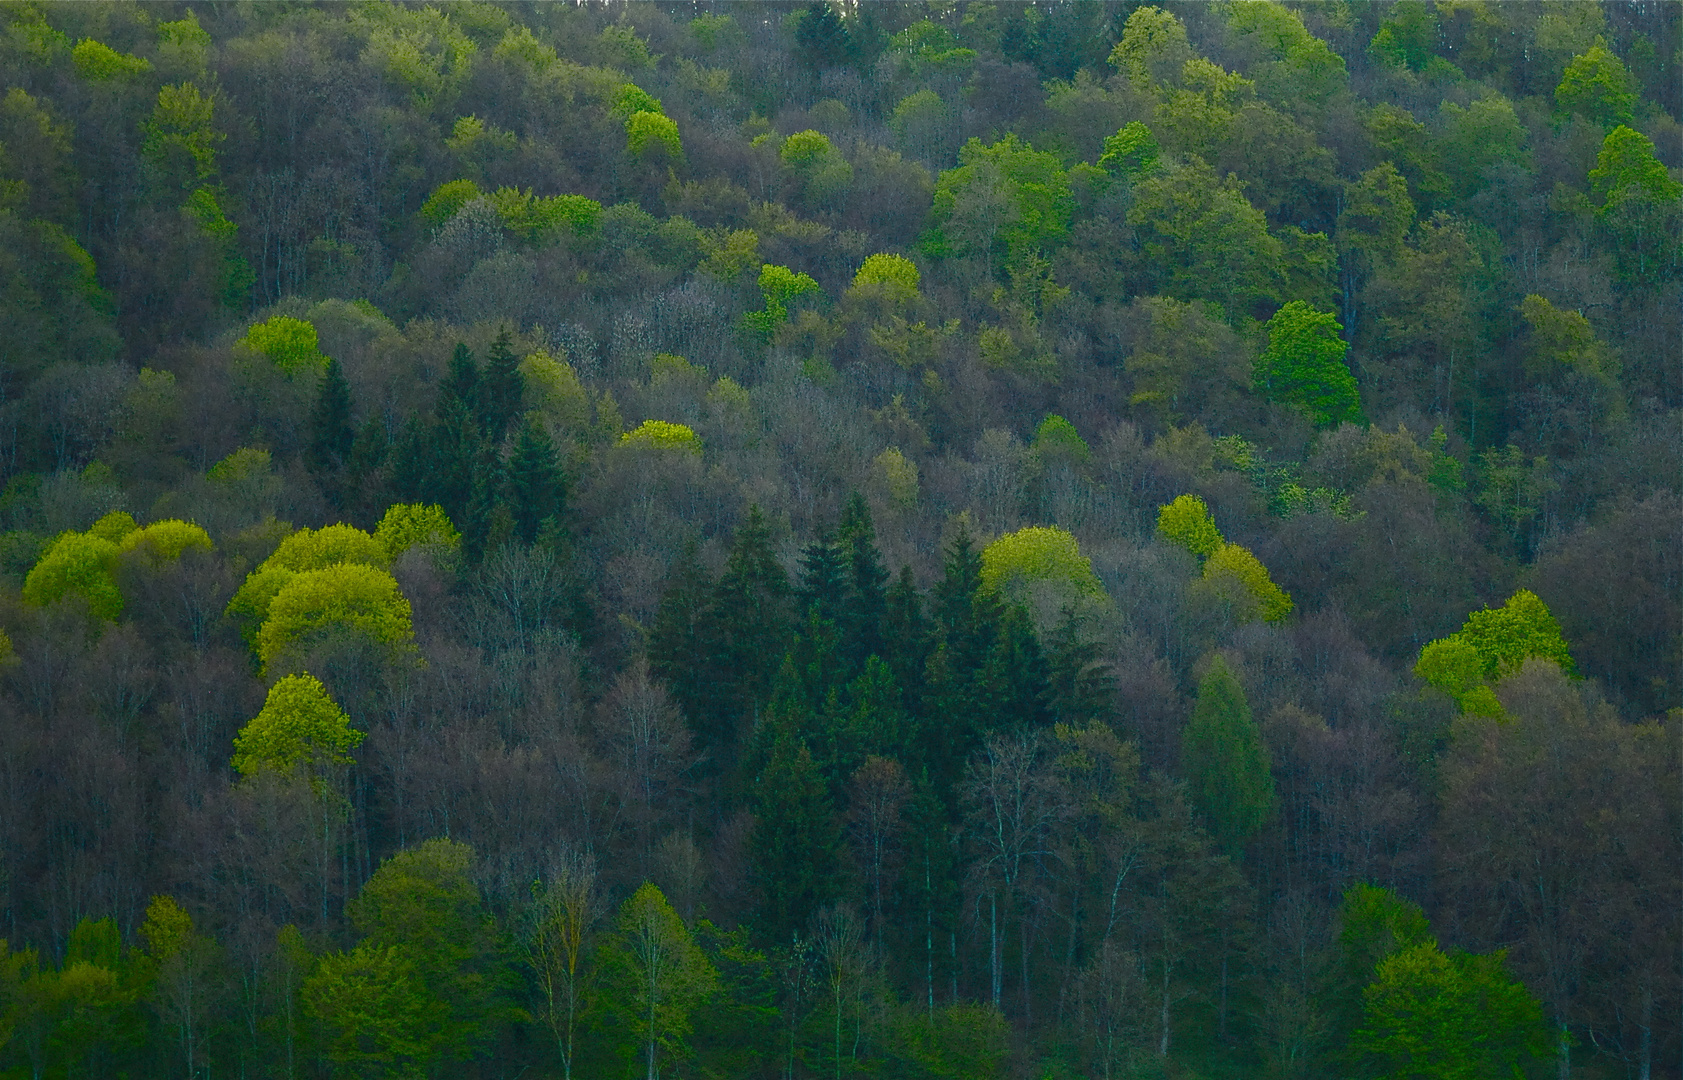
1430 1016
1226 765
1637 203
362 602
1199 239
290 344
1186 521
423 905
1491 644
558 937
1304 366
181 976
537 491
501 389
404 525
1237 576
1598 86
663 976
299 725
1039 555
331 434
795 841
377 1012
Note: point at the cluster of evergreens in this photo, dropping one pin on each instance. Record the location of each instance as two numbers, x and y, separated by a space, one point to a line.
1050 539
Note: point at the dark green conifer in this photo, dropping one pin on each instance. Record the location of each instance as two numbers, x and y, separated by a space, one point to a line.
795 844
536 489
501 389
331 434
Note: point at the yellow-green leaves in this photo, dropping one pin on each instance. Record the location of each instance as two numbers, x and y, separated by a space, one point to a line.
1231 572
407 524
79 563
344 599
647 128
98 62
1235 574
1493 643
1187 522
894 276
299 725
313 549
85 564
291 344
1597 85
663 435
448 198
1039 554
1304 366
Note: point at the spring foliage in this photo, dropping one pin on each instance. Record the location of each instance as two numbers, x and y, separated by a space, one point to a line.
1187 522
1493 643
1038 554
291 344
343 598
300 724
663 435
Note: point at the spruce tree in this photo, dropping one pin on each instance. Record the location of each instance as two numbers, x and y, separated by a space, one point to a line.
501 389
906 628
536 489
1082 689
461 384
331 434
679 645
748 632
1226 765
823 585
796 842
864 607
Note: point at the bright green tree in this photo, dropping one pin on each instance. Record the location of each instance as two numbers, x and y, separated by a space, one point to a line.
1236 573
815 164
345 598
1131 152
1431 1016
1199 239
1304 366
300 724
1597 85
79 563
1491 644
1039 554
1187 522
662 977
290 343
163 542
378 1018
895 276
406 524
780 287
663 435
1227 770
1004 200
1639 205
648 133
179 142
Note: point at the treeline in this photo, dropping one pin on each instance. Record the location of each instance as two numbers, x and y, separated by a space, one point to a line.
1046 539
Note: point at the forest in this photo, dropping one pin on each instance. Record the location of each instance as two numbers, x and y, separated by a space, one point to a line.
1049 540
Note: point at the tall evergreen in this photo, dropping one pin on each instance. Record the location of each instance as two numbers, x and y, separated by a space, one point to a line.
679 642
331 434
823 584
1226 765
750 623
864 606
796 843
461 383
1082 689
906 628
501 389
536 489
1014 685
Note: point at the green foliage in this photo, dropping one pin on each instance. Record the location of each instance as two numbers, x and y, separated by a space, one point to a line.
1153 48
1187 522
659 979
1005 200
795 844
1039 554
165 541
1057 438
378 1019
633 99
1597 85
1626 168
1429 1016
780 286
178 139
79 563
1304 366
649 132
1406 37
446 200
345 598
406 524
1375 923
317 549
1131 152
291 344
300 724
1201 240
554 390
1227 768
895 276
537 220
1237 575
1640 205
1492 644
663 435
98 62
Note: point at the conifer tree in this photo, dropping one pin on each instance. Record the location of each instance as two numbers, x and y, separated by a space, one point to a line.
865 604
823 586
501 389
536 489
905 624
331 434
796 841
679 643
1226 765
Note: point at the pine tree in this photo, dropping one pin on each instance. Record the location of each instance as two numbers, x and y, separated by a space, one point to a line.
1081 685
796 842
907 627
536 489
331 434
1014 684
461 384
365 482
1226 765
823 585
501 389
